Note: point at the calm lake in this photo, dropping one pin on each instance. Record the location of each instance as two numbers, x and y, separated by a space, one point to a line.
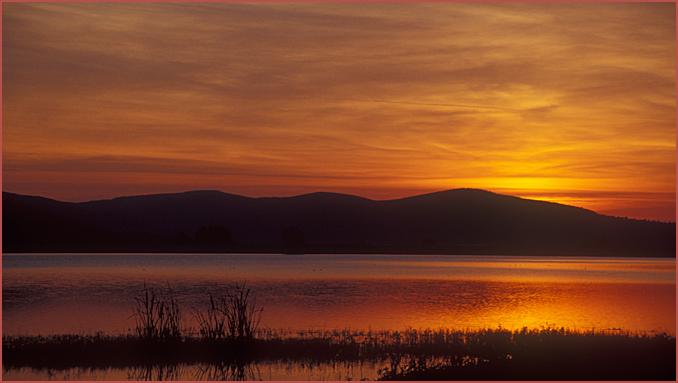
43 292
86 293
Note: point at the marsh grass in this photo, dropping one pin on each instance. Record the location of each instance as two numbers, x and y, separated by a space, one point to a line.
157 315
242 312
212 321
412 354
234 315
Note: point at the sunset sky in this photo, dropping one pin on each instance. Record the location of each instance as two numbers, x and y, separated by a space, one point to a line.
567 103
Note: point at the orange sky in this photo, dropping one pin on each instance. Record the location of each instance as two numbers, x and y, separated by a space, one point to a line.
569 103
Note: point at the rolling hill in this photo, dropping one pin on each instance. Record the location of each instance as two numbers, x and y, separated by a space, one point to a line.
460 221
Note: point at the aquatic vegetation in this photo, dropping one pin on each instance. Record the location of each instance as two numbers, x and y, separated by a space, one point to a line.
242 312
545 354
157 315
423 354
212 321
234 315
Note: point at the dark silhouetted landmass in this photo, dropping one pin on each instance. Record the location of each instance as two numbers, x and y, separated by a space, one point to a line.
461 221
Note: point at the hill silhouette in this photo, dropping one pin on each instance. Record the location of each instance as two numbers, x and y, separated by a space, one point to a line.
460 221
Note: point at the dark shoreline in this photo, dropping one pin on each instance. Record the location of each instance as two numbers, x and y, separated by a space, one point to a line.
412 354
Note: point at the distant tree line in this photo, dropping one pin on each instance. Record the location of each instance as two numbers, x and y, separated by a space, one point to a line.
219 238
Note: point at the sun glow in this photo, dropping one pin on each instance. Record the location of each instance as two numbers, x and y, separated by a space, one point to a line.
542 101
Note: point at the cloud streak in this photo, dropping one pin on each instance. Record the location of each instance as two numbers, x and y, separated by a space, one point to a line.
380 100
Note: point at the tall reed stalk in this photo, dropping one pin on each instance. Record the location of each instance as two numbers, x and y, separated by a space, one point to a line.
157 315
234 315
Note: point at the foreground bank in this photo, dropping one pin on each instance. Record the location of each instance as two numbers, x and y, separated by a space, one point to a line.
544 354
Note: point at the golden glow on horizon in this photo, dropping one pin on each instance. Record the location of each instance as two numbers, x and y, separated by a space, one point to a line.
570 103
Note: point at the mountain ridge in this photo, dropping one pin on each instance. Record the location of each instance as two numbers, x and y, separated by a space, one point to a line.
297 196
451 221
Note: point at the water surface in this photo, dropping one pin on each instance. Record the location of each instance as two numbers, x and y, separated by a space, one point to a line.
85 293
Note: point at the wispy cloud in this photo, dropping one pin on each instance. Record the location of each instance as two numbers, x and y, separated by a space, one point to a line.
380 100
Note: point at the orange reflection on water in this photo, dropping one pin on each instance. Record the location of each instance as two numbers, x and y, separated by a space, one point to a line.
603 307
357 292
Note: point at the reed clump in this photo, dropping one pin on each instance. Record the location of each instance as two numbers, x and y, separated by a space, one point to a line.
231 316
234 315
157 315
